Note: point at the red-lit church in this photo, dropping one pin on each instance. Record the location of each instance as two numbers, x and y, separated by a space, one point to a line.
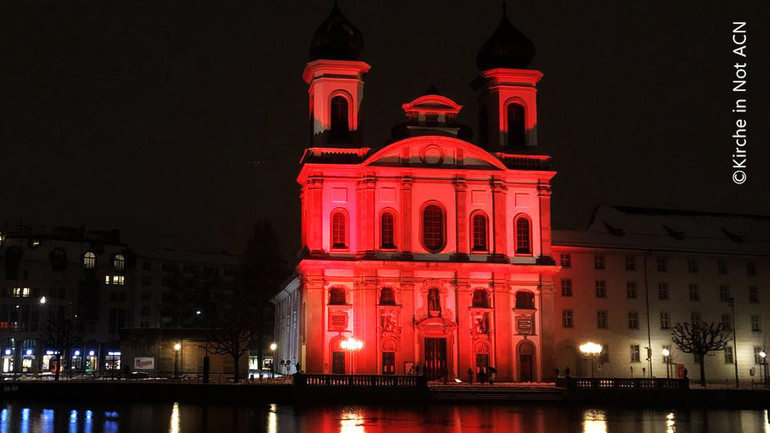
433 252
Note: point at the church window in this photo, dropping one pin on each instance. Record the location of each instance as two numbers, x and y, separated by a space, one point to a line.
339 118
523 236
339 230
433 228
337 296
516 128
387 231
479 232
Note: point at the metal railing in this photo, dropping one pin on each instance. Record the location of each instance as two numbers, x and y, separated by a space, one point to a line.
359 380
621 383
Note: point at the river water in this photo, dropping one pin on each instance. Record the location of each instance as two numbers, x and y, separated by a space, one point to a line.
190 418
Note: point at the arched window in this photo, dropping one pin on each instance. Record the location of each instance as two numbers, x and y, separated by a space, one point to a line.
58 259
339 230
337 296
387 231
480 298
339 118
523 236
119 262
525 299
89 260
433 228
479 232
387 297
516 126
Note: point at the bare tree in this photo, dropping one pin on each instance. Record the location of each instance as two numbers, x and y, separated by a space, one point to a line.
232 337
61 335
699 339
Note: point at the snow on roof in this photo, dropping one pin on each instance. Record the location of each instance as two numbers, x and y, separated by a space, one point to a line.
670 230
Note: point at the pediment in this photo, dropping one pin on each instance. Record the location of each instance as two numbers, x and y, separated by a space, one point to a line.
434 152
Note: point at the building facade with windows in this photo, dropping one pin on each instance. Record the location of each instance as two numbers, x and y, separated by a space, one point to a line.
433 252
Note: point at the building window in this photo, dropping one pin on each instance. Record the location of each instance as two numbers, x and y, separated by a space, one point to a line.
433 228
339 230
89 260
631 290
601 319
598 261
665 320
339 118
634 353
387 296
630 263
727 322
119 263
695 317
146 280
692 266
729 355
662 290
516 125
337 296
107 279
525 299
387 231
756 326
604 357
724 293
480 298
479 232
751 269
601 288
566 287
754 295
694 292
565 260
633 320
662 264
722 267
566 319
58 259
523 236
120 280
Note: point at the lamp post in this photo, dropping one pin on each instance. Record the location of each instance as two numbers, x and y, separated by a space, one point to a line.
591 350
352 345
667 354
273 346
763 355
177 348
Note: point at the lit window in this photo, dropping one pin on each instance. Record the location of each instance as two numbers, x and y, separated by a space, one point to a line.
119 262
107 279
119 280
339 230
387 231
523 236
387 297
433 228
665 320
480 298
598 261
566 287
20 292
89 260
516 125
339 118
479 232
337 296
566 319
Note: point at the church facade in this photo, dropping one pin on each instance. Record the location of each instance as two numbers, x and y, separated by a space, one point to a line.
431 253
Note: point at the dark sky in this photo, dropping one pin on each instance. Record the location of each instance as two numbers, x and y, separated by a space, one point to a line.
181 123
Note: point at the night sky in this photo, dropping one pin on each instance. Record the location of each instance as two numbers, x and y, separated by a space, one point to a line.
181 123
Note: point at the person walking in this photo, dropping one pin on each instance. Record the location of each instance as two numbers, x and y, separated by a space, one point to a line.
470 376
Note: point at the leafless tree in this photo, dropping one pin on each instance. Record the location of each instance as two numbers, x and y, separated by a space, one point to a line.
61 336
233 337
700 339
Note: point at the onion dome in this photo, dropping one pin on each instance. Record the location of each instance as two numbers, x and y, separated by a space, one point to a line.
336 39
506 48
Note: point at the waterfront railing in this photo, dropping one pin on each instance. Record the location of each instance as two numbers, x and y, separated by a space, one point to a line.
621 383
359 380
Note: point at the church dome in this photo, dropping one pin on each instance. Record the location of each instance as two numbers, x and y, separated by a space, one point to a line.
506 48
336 39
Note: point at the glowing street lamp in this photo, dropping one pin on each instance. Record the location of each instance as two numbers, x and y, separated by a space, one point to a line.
177 348
763 355
667 354
351 345
42 300
591 350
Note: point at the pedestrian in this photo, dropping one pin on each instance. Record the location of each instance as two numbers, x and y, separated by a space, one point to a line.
482 375
566 372
470 375
685 373
556 371
492 373
417 369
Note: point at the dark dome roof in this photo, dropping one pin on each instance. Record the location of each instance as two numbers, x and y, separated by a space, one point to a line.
506 48
336 39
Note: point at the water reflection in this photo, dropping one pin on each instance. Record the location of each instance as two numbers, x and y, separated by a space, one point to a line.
190 418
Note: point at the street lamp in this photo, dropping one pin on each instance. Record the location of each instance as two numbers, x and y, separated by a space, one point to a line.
273 346
177 348
591 350
667 354
351 345
763 355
